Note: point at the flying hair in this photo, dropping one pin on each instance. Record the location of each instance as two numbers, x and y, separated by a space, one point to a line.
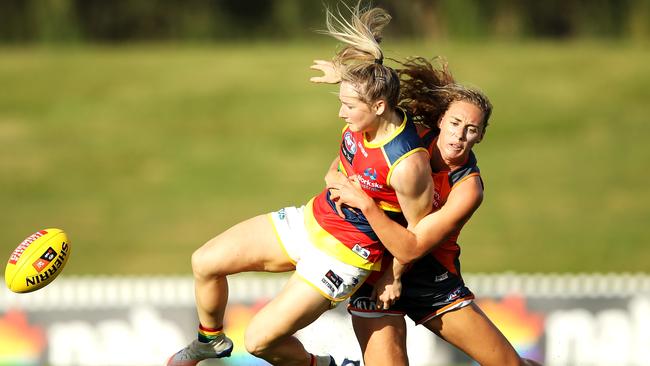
361 34
422 88
428 88
360 61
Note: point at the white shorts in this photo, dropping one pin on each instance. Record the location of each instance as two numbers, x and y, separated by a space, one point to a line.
332 278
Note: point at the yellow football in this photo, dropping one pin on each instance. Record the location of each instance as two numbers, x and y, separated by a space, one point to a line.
37 260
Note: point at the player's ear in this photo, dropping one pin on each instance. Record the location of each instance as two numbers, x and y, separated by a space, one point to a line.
379 107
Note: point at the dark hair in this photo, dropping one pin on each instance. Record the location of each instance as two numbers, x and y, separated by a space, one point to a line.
428 90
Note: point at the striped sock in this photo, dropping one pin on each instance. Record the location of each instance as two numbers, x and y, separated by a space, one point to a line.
209 334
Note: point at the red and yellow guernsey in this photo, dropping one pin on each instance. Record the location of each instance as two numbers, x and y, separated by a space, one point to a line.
351 239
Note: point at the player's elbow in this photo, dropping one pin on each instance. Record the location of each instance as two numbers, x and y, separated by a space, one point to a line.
407 257
414 253
403 259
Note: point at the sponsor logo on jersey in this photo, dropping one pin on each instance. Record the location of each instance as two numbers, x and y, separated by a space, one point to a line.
370 173
442 277
368 184
362 252
44 260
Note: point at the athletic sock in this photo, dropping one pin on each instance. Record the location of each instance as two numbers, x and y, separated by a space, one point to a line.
317 360
209 334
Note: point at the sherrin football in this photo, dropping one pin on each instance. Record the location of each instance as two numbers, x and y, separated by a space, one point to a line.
37 260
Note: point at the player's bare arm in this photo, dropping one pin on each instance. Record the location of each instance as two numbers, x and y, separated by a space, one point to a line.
409 244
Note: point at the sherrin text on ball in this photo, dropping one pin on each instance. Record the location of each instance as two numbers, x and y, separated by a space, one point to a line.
37 260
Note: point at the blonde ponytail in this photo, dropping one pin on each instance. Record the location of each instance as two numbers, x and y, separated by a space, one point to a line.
360 62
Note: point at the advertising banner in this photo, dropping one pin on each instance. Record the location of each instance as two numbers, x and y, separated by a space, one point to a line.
559 320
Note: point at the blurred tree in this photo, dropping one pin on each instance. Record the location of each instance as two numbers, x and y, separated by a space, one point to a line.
599 18
551 18
424 18
55 20
122 20
194 19
507 21
128 20
465 19
638 20
16 20
246 18
287 18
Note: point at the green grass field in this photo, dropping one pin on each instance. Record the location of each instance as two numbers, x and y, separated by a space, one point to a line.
142 153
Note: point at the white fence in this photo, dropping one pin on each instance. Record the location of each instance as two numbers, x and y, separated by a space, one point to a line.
71 292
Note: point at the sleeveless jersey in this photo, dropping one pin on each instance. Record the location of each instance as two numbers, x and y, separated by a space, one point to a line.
447 254
433 284
352 239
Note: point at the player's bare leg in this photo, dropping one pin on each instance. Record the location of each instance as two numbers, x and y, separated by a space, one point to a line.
248 246
270 333
251 245
471 331
382 340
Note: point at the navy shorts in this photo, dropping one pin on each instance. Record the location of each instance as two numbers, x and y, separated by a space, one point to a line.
428 290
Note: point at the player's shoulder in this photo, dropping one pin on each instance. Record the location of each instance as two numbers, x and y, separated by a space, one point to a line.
467 170
414 168
404 141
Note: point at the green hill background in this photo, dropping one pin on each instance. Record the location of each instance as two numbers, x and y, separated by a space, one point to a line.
143 152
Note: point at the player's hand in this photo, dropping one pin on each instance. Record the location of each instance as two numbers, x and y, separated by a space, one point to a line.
333 181
350 193
330 73
387 290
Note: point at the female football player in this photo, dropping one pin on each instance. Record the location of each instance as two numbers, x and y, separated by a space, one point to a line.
332 255
425 282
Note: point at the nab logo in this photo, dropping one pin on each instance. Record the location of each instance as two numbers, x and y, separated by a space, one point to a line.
370 173
45 259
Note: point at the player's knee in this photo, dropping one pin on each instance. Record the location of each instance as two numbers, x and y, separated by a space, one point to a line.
255 343
199 268
202 267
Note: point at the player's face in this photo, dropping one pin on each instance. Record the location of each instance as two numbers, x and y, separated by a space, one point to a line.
357 114
460 128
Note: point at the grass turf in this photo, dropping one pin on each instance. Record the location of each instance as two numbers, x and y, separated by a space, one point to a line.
142 153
